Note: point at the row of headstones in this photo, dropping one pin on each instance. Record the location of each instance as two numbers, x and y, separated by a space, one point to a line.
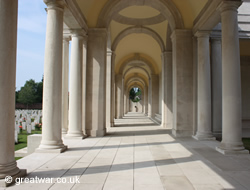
27 119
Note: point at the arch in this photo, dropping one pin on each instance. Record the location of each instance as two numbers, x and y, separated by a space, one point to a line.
138 29
134 85
137 60
166 7
138 67
139 21
129 80
135 81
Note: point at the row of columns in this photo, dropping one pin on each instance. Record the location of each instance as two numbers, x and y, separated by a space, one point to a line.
87 83
54 94
225 75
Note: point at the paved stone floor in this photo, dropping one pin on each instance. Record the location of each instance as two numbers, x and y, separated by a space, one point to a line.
139 155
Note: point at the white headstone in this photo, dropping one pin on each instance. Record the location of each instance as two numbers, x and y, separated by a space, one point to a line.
16 136
29 129
24 125
33 126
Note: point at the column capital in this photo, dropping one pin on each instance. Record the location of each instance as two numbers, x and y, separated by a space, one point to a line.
215 40
231 5
109 53
180 32
55 4
78 33
202 34
165 53
66 38
98 32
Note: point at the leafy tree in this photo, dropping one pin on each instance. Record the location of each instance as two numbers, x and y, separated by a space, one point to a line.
132 94
39 92
30 93
135 94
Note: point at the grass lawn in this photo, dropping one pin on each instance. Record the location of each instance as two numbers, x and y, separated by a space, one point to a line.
246 142
22 139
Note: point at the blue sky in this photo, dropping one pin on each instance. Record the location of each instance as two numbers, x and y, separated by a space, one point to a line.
30 41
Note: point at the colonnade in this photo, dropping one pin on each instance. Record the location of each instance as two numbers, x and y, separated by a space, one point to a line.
87 95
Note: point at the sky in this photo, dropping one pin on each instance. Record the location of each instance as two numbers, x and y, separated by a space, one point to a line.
32 21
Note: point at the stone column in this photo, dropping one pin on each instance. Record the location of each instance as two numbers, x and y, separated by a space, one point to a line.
8 29
204 88
84 67
150 97
142 100
96 82
65 85
112 116
216 74
146 99
75 88
125 100
167 112
182 83
108 88
118 82
52 86
122 99
155 95
231 81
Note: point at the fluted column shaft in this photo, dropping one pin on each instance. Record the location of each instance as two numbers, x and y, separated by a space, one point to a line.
52 86
231 81
204 88
75 91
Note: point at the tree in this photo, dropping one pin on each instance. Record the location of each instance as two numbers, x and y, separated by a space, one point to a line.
39 92
135 94
28 93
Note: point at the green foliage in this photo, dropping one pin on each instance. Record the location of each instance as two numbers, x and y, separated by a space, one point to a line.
246 142
135 94
30 93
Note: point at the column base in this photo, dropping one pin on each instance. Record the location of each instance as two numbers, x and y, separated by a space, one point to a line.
20 174
203 138
96 133
43 149
75 137
231 152
64 131
75 134
182 133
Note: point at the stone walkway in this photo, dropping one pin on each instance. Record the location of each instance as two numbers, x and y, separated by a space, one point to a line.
138 155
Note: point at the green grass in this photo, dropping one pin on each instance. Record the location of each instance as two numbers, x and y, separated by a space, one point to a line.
22 139
17 158
246 142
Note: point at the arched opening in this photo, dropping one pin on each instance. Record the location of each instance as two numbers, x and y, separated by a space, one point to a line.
135 100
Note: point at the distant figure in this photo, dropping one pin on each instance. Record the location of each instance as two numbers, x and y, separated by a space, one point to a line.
136 109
